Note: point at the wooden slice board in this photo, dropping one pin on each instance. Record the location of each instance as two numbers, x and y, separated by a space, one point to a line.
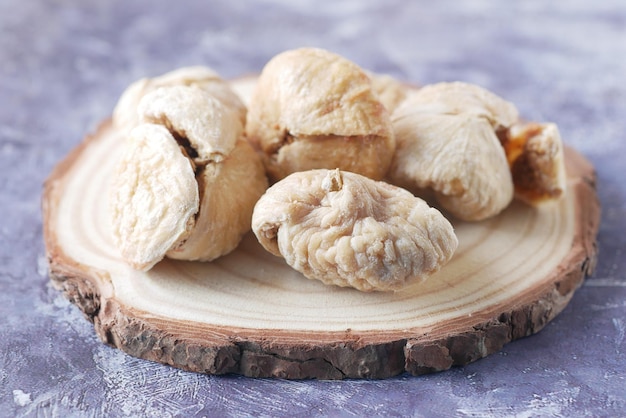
251 314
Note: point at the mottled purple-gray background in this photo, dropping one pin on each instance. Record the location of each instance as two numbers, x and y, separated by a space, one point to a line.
63 64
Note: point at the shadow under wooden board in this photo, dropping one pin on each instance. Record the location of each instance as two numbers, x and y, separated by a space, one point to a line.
249 313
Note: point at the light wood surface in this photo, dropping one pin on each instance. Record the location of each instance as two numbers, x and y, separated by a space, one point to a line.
250 313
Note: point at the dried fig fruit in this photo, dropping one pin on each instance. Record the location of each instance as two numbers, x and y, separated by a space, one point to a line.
314 109
190 196
348 230
447 141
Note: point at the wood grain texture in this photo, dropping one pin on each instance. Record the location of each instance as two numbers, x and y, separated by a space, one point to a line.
249 313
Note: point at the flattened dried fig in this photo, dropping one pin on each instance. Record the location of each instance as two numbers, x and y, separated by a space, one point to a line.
347 230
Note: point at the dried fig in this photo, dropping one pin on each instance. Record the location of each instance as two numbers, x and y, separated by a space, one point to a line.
314 109
348 230
447 141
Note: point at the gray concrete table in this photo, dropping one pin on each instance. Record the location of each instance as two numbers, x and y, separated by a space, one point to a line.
63 64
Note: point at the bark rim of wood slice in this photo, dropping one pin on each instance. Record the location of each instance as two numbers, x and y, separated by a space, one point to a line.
248 313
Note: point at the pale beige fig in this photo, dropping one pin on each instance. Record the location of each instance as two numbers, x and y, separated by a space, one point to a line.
125 115
199 142
154 196
348 230
535 155
447 141
314 109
